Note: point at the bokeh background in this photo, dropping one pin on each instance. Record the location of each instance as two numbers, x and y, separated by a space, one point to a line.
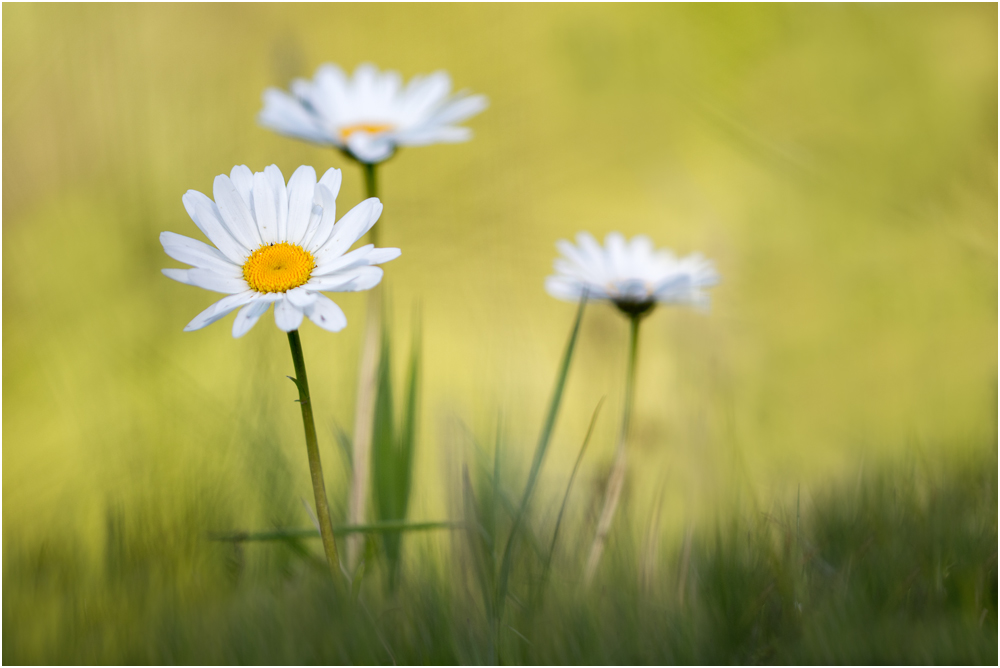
838 162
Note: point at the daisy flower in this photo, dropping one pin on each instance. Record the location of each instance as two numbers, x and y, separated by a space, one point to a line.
631 274
371 113
635 277
276 244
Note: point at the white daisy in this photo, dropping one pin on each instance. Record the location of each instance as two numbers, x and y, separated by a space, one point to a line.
276 245
631 274
370 114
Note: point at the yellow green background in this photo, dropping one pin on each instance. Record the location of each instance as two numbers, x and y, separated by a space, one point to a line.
837 162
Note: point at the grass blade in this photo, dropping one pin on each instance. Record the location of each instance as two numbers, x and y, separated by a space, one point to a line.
292 534
394 445
536 463
569 486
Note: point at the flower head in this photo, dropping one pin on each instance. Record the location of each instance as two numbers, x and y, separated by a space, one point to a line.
372 113
276 244
631 274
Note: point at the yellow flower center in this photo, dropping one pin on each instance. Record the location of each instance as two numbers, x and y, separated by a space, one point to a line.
278 267
370 128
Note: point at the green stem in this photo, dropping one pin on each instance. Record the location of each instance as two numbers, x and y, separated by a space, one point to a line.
312 448
569 486
377 528
364 410
371 190
633 354
617 478
536 464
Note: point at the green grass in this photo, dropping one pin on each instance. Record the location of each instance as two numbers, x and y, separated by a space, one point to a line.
837 162
393 446
897 567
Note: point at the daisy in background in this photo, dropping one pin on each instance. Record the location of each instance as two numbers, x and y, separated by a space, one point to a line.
280 244
634 277
368 116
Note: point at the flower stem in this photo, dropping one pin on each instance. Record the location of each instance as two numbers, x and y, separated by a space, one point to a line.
371 190
364 411
616 480
312 448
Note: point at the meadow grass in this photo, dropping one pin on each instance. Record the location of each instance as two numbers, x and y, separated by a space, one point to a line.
838 162
899 566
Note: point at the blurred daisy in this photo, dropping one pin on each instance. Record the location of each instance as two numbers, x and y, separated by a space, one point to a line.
371 113
276 244
631 274
634 277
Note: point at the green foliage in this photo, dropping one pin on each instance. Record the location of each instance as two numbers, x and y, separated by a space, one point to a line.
393 446
506 562
838 161
899 567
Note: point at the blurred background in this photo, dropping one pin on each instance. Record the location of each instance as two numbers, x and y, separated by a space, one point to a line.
837 162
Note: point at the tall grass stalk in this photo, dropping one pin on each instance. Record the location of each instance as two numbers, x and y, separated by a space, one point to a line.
393 447
295 534
536 463
616 480
312 448
364 410
899 568
569 487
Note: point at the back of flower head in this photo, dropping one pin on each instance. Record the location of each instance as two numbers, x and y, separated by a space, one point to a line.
278 243
635 277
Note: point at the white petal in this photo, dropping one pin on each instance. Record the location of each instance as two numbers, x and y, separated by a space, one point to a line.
356 258
370 149
219 310
592 251
363 81
327 315
248 317
332 180
386 88
301 298
355 280
300 201
583 262
286 115
206 216
287 317
315 217
460 109
641 246
351 227
326 224
572 270
277 181
209 280
561 288
327 93
235 213
359 257
617 255
242 178
194 252
380 255
571 290
179 275
424 94
333 283
424 135
265 205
